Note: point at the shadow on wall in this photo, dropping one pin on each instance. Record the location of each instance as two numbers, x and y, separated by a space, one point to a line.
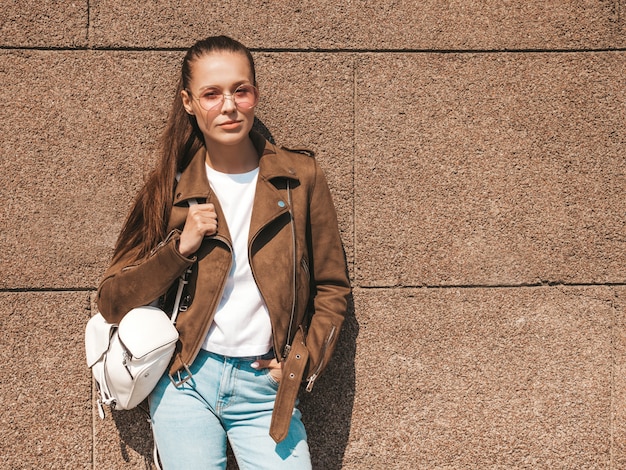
327 411
134 434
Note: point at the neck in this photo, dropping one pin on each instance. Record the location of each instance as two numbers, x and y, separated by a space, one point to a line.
233 159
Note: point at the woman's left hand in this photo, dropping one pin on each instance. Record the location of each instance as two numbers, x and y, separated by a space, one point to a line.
275 367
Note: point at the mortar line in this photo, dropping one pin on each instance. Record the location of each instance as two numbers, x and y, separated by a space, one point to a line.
328 50
439 51
613 385
18 290
88 36
354 164
13 290
491 286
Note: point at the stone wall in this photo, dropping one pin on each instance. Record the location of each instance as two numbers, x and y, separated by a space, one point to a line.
476 152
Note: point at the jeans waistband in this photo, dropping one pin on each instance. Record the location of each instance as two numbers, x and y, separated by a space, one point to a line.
181 377
268 355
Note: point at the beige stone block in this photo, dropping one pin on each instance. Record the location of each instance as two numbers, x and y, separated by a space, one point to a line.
80 134
327 411
80 129
484 378
362 25
490 169
45 387
618 424
45 23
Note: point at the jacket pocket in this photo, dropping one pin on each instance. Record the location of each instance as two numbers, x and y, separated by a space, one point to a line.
271 380
305 267
303 293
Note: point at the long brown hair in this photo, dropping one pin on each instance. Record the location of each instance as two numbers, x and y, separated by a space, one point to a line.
146 223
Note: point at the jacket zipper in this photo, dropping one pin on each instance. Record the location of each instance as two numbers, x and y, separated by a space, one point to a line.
287 346
305 266
164 242
294 288
313 377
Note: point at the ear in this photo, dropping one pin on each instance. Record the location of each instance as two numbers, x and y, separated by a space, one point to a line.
186 102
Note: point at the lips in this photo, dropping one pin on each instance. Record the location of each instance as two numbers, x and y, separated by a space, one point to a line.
230 124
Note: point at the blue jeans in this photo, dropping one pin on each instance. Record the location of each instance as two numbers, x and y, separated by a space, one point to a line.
225 399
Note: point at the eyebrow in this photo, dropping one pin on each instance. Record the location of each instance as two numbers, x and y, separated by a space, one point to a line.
233 86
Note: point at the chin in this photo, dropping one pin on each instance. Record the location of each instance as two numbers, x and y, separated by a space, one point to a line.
229 138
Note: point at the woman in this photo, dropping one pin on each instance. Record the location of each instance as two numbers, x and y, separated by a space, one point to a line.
267 287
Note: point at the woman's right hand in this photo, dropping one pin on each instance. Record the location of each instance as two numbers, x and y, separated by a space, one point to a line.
201 222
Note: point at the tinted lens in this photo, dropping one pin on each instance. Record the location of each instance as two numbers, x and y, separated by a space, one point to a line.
246 97
210 99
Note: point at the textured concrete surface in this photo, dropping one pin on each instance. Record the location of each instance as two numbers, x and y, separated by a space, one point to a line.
486 378
45 391
476 152
619 385
45 23
484 169
93 118
79 129
362 24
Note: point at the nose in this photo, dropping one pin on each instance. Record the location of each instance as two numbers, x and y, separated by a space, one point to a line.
228 106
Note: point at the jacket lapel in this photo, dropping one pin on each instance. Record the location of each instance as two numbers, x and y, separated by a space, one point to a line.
194 184
269 202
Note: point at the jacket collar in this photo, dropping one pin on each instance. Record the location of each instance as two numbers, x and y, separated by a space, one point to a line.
273 163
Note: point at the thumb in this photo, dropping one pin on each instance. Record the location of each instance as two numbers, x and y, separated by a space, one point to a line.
265 364
261 364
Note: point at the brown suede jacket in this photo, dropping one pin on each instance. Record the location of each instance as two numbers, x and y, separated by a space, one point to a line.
287 180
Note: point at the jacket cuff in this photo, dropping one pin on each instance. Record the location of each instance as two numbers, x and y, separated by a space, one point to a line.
169 256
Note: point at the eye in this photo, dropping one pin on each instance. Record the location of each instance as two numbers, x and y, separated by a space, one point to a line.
211 94
243 91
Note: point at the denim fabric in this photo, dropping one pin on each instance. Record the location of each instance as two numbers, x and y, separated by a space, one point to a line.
225 399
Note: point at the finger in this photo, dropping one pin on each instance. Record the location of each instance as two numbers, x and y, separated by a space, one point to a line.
266 364
205 208
259 364
202 221
211 230
202 208
200 217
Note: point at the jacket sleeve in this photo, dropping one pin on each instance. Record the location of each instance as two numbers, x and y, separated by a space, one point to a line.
129 284
331 284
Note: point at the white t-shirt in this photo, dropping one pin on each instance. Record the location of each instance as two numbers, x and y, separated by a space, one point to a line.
241 326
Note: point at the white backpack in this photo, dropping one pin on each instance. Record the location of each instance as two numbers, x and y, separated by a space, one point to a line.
128 359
